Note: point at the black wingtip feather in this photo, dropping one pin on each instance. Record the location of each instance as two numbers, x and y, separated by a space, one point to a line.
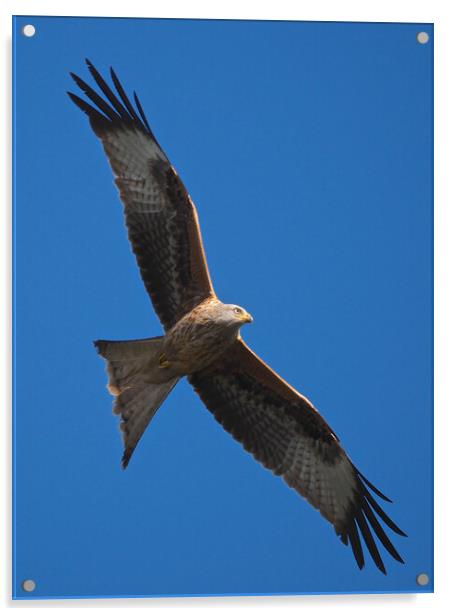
363 522
370 541
123 96
141 112
117 105
383 515
378 530
95 98
356 545
116 110
90 111
371 486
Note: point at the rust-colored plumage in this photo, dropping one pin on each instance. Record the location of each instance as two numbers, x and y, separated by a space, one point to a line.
202 341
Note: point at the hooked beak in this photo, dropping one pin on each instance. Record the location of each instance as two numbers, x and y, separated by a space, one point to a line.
247 318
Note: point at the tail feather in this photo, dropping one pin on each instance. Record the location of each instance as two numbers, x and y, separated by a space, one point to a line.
137 406
136 399
126 360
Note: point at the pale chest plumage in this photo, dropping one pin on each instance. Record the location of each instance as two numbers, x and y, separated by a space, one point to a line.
198 339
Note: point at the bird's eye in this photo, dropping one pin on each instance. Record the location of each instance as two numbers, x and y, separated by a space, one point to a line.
238 310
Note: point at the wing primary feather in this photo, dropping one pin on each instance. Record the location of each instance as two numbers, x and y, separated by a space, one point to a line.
356 544
380 532
386 519
95 98
371 486
123 95
107 91
140 109
90 111
370 541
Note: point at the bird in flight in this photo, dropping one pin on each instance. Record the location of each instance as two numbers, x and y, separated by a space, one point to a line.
202 341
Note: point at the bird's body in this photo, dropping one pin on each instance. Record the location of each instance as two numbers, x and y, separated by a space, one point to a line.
201 337
270 418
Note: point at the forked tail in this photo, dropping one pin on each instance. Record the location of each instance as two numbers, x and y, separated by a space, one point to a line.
136 399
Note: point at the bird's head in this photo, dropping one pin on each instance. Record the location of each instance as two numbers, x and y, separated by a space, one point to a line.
237 315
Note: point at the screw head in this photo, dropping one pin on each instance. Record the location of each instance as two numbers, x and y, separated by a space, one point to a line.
422 579
28 30
28 585
422 38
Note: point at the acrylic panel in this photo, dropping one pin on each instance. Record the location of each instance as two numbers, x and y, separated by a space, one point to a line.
307 150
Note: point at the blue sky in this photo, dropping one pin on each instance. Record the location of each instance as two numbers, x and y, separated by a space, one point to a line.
307 148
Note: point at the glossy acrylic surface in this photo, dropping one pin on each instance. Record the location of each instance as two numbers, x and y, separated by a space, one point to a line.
307 148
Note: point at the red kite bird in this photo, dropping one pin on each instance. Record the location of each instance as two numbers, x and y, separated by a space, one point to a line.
202 341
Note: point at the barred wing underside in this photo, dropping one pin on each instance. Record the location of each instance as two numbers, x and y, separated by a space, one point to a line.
283 431
160 217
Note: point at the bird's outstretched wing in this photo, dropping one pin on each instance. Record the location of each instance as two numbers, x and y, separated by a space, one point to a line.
284 432
161 218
